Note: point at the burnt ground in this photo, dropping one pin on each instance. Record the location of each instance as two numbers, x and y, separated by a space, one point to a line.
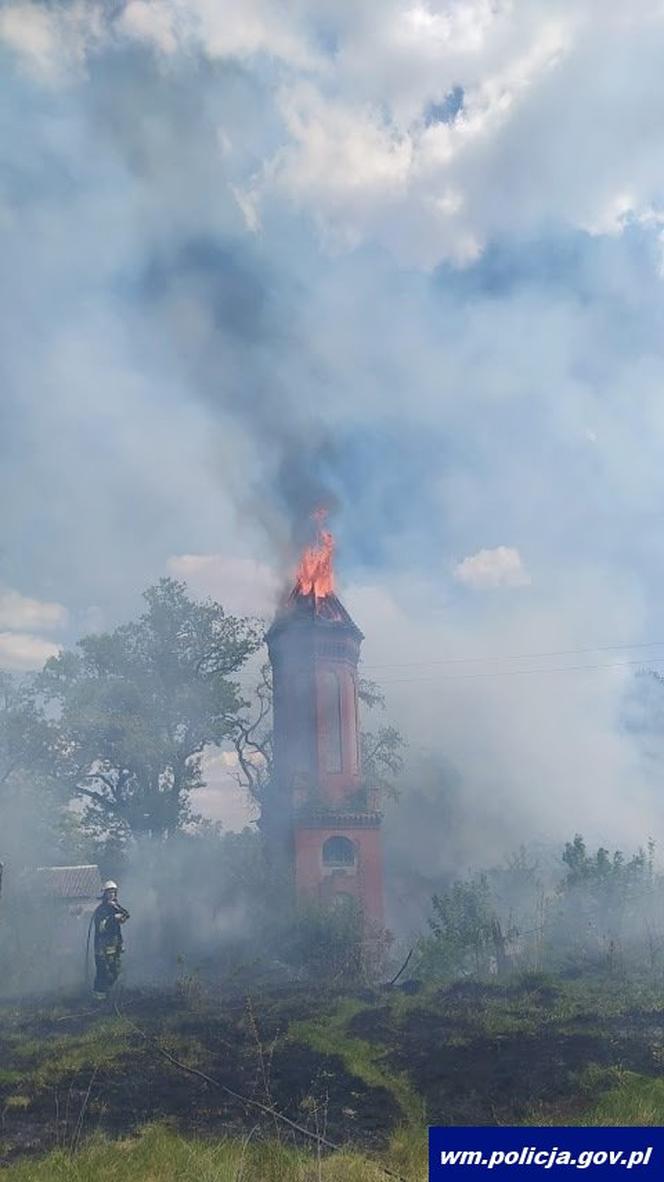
354 1067
69 1071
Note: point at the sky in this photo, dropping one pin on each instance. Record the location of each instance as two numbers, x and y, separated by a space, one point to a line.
403 260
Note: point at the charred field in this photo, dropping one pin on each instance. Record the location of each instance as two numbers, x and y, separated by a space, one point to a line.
363 1070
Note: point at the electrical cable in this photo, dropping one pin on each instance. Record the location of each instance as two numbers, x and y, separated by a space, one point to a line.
245 681
513 672
561 652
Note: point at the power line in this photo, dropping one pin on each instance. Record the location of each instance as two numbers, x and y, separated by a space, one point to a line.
561 652
244 676
514 672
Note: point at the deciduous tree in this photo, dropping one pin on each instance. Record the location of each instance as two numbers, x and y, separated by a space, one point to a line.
137 707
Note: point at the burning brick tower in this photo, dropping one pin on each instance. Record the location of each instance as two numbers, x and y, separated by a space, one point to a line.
333 820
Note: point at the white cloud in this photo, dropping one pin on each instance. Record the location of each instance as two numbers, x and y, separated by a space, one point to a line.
219 29
154 409
21 651
363 159
341 161
367 162
20 618
52 42
222 798
19 612
489 569
243 585
360 152
153 23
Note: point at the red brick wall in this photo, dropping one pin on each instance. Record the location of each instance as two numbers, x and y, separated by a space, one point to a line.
316 754
363 881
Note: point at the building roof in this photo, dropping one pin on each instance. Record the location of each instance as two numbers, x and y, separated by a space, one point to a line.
67 882
326 610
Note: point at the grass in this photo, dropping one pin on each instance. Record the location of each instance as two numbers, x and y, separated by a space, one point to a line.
329 1036
459 1042
530 1003
17 1103
159 1155
42 1063
613 1097
634 1100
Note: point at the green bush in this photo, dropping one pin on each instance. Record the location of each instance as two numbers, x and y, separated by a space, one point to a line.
328 942
462 928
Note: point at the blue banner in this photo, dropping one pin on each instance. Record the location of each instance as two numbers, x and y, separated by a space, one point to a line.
495 1152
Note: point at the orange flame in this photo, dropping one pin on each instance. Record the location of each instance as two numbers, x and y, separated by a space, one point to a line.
314 573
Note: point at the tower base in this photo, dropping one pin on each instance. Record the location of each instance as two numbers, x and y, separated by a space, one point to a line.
338 858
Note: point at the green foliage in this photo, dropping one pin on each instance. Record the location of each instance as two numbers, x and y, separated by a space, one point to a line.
603 871
33 819
381 750
381 760
370 693
137 707
604 911
607 906
328 942
26 736
462 928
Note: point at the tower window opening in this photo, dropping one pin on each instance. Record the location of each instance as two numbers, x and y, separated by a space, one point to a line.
338 851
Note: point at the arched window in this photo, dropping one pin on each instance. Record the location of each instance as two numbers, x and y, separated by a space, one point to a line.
338 851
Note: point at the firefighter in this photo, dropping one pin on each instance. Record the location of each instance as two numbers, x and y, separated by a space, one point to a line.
108 919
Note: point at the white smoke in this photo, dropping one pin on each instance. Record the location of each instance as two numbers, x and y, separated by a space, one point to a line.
404 258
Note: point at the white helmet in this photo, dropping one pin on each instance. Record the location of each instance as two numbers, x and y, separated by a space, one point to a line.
110 885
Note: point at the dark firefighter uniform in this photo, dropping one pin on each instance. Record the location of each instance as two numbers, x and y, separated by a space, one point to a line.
109 944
